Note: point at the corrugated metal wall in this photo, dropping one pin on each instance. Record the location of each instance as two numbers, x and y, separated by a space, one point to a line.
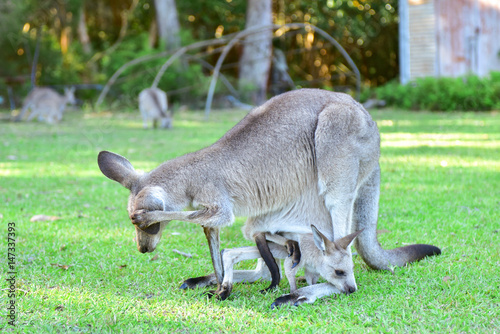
422 38
452 37
468 36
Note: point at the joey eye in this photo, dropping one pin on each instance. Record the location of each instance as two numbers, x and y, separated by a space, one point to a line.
339 272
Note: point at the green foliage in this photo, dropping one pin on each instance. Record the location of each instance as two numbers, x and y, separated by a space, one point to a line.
186 77
82 273
444 94
366 29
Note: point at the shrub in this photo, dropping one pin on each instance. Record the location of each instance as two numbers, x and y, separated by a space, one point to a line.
444 94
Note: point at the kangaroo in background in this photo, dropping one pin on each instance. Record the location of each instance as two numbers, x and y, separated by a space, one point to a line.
47 104
320 257
153 106
301 151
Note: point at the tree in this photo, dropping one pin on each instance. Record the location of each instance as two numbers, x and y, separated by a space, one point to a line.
168 23
255 62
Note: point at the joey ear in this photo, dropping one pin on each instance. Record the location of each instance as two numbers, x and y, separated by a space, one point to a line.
345 242
117 168
319 239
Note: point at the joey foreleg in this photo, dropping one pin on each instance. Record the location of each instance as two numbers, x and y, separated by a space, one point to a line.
293 249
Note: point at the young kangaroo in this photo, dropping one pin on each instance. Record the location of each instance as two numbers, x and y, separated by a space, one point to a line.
319 257
153 106
306 155
47 104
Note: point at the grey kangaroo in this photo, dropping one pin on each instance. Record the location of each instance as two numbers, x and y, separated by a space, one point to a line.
303 151
153 106
46 104
319 257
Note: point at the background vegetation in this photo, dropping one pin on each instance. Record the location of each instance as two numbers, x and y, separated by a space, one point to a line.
444 94
82 272
366 29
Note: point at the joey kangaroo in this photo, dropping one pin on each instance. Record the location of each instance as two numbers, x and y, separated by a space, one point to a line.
153 106
303 151
46 104
320 257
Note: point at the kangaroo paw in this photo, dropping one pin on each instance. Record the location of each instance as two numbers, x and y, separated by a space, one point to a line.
293 249
140 218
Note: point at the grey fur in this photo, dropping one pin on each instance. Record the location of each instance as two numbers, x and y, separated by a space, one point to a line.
46 104
304 156
153 106
320 257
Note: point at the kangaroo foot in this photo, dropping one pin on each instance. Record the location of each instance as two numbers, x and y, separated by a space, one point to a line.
290 299
199 282
224 292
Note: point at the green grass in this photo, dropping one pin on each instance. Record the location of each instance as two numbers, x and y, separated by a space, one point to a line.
440 185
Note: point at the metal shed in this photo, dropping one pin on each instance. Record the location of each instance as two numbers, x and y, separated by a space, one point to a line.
448 38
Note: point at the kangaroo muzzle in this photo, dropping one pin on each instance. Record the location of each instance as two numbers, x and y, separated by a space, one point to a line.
348 289
147 239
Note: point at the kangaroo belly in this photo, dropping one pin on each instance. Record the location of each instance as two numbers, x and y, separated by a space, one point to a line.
293 219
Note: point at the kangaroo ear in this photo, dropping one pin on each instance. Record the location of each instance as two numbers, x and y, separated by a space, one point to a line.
319 239
117 168
345 242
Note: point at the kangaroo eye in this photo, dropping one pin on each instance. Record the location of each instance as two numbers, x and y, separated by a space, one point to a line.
339 272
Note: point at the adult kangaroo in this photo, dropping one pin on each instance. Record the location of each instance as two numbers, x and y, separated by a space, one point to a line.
47 104
153 105
303 150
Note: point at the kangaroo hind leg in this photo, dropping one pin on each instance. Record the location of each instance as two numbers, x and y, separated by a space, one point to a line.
347 145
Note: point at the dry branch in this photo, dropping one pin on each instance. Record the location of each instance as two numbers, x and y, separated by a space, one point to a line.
231 40
285 27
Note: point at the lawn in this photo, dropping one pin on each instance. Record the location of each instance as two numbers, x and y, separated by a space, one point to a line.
81 272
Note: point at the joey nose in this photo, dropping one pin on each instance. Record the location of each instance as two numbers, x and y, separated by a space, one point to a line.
350 290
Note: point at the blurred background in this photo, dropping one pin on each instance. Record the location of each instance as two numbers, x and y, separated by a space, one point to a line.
414 54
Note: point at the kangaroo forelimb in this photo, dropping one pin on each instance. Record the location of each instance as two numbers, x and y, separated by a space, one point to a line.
144 219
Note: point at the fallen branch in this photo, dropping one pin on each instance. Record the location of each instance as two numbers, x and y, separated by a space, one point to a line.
182 253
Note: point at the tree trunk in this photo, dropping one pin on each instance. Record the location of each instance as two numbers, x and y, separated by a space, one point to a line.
255 62
168 23
153 34
82 32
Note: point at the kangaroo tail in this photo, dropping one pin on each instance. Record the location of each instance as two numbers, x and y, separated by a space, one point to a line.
381 259
378 258
365 216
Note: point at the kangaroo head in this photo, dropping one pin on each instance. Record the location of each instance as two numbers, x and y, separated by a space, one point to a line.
69 93
336 264
166 122
142 196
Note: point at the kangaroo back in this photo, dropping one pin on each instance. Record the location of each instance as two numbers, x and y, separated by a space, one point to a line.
46 104
153 106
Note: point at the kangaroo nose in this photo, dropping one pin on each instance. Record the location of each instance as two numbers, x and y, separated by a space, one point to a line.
143 249
351 289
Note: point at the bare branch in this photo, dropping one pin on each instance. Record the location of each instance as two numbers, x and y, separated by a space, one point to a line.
179 52
231 40
286 27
